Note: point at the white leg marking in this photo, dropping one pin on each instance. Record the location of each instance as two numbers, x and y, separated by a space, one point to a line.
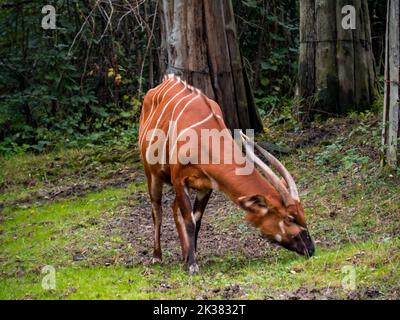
193 219
282 227
197 216
194 268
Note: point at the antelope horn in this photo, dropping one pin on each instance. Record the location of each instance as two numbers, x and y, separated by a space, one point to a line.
294 193
269 174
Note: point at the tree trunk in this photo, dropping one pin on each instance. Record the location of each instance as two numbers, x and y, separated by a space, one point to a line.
336 66
391 132
200 44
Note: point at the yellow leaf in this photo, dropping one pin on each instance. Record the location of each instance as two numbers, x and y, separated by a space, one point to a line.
118 79
111 73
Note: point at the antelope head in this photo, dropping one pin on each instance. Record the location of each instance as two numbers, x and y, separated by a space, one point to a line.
281 221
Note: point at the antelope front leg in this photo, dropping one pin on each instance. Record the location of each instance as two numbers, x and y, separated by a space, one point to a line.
200 204
186 226
155 190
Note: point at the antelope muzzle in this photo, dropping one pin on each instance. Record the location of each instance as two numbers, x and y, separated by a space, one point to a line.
302 244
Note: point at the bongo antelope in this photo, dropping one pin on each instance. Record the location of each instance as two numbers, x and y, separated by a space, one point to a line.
271 204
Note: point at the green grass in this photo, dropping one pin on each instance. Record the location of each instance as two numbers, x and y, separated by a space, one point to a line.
353 212
257 279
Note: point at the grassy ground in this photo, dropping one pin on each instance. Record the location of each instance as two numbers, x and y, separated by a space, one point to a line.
85 213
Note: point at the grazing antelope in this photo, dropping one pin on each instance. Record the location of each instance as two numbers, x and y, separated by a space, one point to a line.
174 111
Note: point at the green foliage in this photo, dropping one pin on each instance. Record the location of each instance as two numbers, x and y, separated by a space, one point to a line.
346 151
9 147
335 155
70 86
269 42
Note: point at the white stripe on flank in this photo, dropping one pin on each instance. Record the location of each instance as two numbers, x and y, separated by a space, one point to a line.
212 109
187 129
162 87
177 104
157 94
195 125
163 91
180 114
162 113
171 120
152 115
166 92
187 104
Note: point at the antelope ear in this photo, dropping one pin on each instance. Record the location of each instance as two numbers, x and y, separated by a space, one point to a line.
253 203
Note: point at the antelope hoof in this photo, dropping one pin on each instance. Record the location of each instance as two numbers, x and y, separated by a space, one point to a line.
193 269
156 261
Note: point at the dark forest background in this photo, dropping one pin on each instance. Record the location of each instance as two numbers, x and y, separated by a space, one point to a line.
82 84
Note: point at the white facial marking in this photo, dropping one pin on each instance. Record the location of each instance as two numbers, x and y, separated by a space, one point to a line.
248 203
278 238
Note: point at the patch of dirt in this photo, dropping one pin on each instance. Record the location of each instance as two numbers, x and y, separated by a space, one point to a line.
76 189
312 294
217 237
335 293
226 293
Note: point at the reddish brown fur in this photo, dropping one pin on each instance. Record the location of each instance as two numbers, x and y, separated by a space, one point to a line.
204 177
